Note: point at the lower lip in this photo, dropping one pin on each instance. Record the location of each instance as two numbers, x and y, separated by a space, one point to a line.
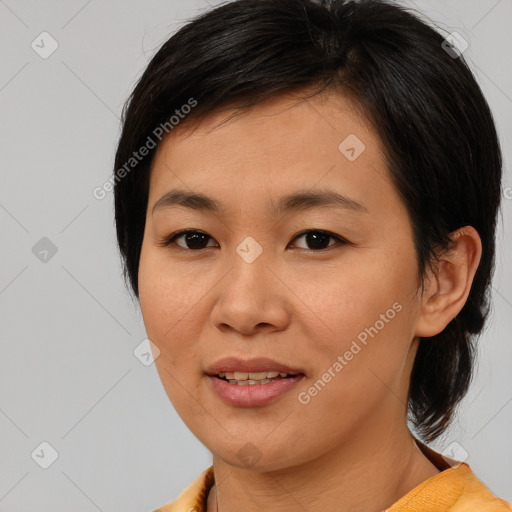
252 395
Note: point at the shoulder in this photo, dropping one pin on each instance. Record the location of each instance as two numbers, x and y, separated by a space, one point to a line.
192 498
476 494
453 490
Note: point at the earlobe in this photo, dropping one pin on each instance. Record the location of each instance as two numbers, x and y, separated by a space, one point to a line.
447 288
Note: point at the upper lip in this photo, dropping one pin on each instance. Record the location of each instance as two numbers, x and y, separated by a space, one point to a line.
259 364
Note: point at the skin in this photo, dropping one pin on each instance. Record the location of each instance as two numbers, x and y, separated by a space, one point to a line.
349 448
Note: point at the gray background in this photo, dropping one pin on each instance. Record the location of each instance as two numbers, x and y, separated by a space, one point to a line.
68 328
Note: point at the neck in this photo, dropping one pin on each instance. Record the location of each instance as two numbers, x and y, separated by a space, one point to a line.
370 472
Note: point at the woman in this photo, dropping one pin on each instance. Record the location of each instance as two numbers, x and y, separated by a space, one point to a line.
306 196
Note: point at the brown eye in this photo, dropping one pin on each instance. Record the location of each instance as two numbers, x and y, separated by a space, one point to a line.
318 240
193 240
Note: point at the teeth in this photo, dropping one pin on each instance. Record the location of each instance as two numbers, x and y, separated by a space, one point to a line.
250 382
261 377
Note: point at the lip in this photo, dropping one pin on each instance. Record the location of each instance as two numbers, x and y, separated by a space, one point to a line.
253 395
259 364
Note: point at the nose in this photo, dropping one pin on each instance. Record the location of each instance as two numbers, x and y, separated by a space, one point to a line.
252 297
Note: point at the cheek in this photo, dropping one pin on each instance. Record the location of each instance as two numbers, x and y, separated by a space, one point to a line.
167 294
359 366
159 310
170 302
360 311
344 298
169 324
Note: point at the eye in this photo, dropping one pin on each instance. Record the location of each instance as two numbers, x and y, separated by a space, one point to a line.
317 238
194 240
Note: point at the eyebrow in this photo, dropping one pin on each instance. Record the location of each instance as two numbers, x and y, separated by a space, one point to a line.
298 201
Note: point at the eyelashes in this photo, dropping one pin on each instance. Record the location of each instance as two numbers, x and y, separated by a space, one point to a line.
197 239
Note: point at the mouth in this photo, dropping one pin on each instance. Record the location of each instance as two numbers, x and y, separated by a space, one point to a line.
254 378
257 390
252 382
260 368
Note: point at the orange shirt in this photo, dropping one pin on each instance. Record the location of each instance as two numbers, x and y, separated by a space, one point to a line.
455 489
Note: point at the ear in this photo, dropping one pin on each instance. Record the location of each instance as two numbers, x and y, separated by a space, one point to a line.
447 289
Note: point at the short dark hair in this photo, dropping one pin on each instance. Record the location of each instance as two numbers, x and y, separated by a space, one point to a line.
442 149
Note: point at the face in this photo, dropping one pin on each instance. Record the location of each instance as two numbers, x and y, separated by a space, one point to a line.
328 289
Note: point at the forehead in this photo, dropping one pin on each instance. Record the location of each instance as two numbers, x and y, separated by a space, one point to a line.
285 143
276 121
